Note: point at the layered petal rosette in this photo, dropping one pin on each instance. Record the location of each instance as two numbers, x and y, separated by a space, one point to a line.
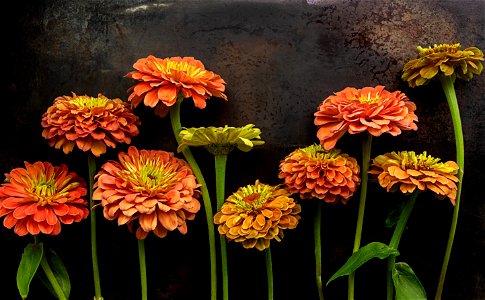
161 80
371 109
256 214
406 171
447 59
314 172
90 123
152 189
38 198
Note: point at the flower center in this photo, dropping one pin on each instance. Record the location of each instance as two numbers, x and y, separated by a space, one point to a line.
369 98
44 190
318 153
442 48
89 102
151 175
419 162
252 197
181 66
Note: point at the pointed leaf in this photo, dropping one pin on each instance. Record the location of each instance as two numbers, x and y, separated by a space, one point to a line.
29 263
406 283
60 273
364 254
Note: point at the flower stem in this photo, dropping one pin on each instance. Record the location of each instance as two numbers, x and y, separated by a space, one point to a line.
177 127
52 278
143 269
396 237
269 272
94 251
318 248
366 149
448 87
220 167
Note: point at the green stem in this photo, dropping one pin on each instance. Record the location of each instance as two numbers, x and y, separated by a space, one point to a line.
94 251
366 149
52 278
220 167
177 127
448 87
269 272
396 237
318 247
143 269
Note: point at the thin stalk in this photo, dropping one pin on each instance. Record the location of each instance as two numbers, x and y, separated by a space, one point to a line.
94 251
318 247
52 278
220 167
269 272
396 237
448 87
143 269
177 127
366 149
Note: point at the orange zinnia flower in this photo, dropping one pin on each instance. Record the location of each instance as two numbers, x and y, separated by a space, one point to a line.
371 109
161 81
151 186
256 214
448 59
39 197
314 172
88 122
407 171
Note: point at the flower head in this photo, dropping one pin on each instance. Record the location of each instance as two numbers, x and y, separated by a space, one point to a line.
314 172
447 59
38 198
407 171
221 140
371 109
152 187
256 214
161 81
90 123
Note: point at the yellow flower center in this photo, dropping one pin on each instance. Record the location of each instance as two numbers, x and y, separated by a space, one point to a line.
150 175
369 98
409 160
169 65
44 190
441 48
89 102
252 197
318 153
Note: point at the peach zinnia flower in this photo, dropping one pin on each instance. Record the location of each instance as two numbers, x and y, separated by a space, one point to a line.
448 59
407 171
152 187
161 81
314 172
90 123
371 109
256 214
38 198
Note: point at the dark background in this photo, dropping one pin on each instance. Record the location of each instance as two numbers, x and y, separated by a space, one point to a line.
280 59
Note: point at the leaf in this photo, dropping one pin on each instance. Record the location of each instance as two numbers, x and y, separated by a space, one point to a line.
406 283
364 254
60 273
29 263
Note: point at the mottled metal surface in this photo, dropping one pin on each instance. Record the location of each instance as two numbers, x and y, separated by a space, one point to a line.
280 59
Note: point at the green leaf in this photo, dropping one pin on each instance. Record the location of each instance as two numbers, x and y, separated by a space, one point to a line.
29 263
364 254
406 283
60 273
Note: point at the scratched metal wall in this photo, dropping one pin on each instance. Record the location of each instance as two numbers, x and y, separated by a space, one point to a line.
280 59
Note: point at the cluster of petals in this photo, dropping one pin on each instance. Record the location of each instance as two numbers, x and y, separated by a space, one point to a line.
371 109
221 140
163 80
90 123
446 59
150 188
256 214
407 171
314 172
38 198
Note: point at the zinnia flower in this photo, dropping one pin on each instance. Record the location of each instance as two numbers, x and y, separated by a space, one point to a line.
38 198
256 214
161 81
314 172
221 140
152 187
371 109
448 59
407 171
90 123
